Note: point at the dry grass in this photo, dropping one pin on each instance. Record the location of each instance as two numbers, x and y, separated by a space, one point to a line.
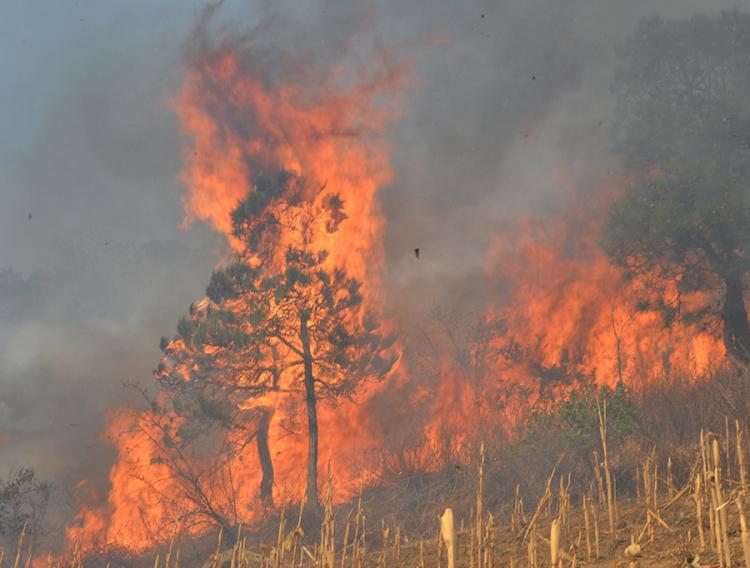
680 501
662 526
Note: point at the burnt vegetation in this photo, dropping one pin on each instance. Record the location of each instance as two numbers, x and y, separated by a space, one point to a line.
283 332
280 322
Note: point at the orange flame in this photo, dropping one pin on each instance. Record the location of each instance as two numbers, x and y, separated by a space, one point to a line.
561 308
330 131
330 134
575 305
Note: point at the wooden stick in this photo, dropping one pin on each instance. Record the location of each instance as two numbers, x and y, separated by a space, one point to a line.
601 410
698 497
448 532
588 536
20 546
554 544
721 511
744 533
740 456
545 498
480 503
596 531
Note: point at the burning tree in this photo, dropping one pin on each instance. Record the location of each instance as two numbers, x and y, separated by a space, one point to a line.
249 103
279 320
683 89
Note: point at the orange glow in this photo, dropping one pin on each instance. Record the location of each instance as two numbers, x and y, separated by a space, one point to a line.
559 304
329 131
575 306
332 135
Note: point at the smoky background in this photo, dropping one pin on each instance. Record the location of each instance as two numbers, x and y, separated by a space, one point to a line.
506 96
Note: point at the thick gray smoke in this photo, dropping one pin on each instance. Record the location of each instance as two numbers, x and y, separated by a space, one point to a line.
521 97
94 267
517 93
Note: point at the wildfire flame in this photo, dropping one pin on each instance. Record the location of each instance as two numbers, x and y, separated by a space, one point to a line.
581 315
328 130
562 309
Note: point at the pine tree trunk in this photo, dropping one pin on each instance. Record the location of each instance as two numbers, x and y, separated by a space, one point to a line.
312 414
264 456
736 327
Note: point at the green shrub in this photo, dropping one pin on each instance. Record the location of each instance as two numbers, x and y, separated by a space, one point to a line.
575 421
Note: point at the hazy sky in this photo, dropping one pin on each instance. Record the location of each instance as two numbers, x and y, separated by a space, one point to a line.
90 216
90 206
88 147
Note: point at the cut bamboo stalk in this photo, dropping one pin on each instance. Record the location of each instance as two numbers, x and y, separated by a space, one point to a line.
602 413
712 516
358 520
614 502
439 540
386 532
346 539
532 548
546 498
727 447
670 484
704 456
637 485
218 548
588 529
168 558
397 547
698 497
448 532
363 542
717 527
598 476
554 544
743 532
30 555
20 546
645 529
741 456
279 558
596 531
490 542
480 506
561 553
722 511
514 519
